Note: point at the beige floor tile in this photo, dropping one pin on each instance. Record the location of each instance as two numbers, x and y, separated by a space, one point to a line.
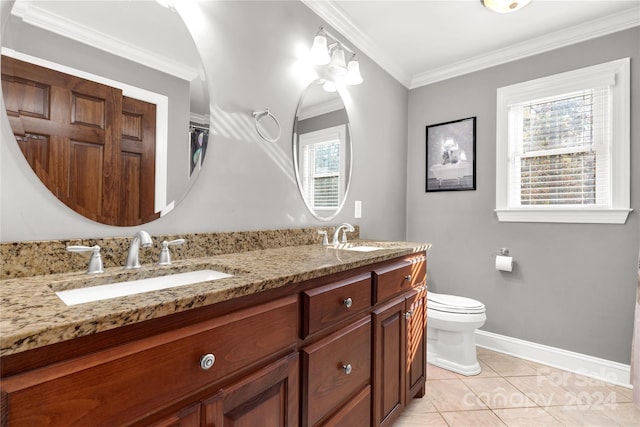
589 391
498 393
472 418
526 417
420 406
623 394
452 395
543 391
578 416
437 373
506 365
484 352
433 419
625 414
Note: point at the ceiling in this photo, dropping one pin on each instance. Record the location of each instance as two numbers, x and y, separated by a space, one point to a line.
423 41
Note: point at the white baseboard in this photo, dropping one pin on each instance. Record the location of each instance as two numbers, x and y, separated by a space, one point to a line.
589 366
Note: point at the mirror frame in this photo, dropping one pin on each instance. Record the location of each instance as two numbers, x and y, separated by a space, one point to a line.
296 160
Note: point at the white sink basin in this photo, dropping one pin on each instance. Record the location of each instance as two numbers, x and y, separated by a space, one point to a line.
132 287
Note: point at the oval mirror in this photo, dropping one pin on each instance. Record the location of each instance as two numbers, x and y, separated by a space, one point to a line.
108 103
322 150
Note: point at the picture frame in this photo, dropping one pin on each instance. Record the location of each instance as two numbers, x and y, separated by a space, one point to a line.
451 156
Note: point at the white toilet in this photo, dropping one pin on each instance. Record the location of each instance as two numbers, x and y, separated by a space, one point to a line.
451 325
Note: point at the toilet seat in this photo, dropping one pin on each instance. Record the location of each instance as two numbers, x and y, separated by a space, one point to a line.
453 304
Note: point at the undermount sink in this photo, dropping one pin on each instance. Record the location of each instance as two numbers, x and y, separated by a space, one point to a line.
132 287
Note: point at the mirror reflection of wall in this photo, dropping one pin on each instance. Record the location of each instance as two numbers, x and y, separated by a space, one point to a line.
322 150
136 44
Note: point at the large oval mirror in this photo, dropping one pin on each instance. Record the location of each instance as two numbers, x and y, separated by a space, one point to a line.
108 103
322 150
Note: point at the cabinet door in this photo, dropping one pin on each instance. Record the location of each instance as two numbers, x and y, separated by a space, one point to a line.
390 337
416 343
269 397
188 417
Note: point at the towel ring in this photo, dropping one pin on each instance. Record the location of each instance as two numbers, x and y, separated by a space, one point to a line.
258 117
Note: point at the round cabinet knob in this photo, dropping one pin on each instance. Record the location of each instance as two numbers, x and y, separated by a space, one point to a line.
408 314
348 302
347 368
207 361
407 277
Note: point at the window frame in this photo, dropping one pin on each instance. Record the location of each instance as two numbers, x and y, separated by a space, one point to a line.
617 71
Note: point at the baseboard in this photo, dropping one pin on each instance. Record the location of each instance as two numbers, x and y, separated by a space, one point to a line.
589 366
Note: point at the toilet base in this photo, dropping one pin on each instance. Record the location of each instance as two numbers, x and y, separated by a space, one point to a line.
466 370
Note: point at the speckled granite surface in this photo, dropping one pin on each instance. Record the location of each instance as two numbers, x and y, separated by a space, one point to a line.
23 259
31 315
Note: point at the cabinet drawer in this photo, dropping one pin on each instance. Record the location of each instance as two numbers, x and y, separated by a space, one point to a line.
327 305
122 384
335 368
398 277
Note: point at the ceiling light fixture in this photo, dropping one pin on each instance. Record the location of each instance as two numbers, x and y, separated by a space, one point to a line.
330 57
505 6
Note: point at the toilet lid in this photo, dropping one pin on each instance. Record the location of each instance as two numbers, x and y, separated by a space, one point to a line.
453 303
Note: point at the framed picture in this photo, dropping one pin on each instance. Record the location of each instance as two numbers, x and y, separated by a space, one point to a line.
451 156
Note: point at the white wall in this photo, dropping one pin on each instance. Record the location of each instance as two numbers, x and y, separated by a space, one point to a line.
574 285
249 54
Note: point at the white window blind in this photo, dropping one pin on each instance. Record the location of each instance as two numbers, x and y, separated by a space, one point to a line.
563 147
322 163
560 149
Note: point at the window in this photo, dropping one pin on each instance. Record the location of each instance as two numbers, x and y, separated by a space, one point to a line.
563 147
321 167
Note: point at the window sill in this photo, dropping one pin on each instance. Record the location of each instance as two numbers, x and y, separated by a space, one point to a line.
577 216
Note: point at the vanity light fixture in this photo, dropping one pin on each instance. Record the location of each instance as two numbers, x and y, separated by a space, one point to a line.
330 57
505 6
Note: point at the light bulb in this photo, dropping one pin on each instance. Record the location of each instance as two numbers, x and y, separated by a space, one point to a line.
505 6
338 65
319 50
353 75
329 87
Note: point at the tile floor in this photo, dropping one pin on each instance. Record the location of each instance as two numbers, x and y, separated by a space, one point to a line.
515 392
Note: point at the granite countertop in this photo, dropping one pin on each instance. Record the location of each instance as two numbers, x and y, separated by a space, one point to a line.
32 315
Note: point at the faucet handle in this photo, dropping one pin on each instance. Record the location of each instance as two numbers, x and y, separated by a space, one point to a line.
165 255
325 238
95 262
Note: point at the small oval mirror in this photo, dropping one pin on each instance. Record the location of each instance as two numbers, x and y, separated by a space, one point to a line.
322 150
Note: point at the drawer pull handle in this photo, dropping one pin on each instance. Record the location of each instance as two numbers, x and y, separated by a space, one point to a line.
408 314
347 368
407 277
348 302
207 361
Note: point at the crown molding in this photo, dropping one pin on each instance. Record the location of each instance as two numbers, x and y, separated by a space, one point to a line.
596 28
36 16
334 16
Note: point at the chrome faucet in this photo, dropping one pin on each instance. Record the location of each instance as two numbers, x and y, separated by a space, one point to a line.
140 238
345 227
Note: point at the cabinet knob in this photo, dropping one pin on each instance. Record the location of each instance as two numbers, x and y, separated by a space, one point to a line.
408 314
407 277
207 361
347 368
348 302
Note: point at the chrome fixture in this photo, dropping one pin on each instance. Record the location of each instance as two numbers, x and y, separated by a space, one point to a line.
505 6
95 262
344 227
165 255
140 238
330 57
270 133
325 239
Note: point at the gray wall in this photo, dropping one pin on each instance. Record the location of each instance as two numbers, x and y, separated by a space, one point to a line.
573 285
249 51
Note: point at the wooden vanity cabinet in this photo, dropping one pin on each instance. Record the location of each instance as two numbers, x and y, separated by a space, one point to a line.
399 336
348 349
127 384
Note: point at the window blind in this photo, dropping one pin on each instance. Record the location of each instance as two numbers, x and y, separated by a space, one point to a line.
560 149
322 174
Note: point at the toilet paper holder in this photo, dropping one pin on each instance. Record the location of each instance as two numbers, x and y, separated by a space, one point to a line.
503 252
